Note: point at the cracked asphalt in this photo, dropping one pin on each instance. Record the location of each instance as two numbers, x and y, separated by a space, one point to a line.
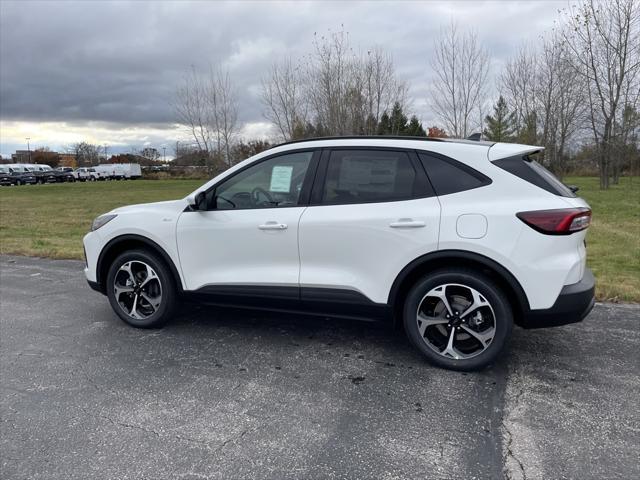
224 394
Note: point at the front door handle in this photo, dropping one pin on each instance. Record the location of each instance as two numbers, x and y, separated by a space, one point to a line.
273 226
407 223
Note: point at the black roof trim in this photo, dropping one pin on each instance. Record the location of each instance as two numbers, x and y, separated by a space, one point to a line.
388 137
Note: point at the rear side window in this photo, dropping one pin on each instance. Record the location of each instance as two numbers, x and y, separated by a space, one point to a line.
448 176
366 176
531 171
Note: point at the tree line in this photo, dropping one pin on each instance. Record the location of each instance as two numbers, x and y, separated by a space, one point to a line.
578 86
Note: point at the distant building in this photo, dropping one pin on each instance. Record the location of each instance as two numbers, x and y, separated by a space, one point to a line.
68 160
22 156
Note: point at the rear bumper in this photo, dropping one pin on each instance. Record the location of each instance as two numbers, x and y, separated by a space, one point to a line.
573 304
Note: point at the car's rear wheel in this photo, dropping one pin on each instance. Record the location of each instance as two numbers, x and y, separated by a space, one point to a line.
141 289
458 318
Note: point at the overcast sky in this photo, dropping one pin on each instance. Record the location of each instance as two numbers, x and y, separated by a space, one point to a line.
106 72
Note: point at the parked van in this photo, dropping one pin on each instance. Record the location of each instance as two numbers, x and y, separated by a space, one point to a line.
119 171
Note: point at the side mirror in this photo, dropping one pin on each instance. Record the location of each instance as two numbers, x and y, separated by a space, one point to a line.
197 201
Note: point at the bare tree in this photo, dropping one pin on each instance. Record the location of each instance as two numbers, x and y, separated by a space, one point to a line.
192 108
223 104
519 86
380 87
207 106
334 87
284 98
330 78
87 154
604 38
558 97
461 66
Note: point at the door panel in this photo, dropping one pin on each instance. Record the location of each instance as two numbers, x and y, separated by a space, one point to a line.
248 234
372 212
228 247
356 247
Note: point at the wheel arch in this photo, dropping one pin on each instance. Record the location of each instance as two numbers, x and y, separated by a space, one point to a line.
121 244
421 266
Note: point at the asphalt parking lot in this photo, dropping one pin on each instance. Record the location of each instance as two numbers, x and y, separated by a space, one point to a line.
227 394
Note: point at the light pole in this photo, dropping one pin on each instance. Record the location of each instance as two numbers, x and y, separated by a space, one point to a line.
105 152
29 148
164 154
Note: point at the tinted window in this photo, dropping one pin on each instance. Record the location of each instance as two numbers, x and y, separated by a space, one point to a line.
534 173
448 176
275 182
363 176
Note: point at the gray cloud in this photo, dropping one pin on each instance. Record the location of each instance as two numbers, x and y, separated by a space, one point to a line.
121 62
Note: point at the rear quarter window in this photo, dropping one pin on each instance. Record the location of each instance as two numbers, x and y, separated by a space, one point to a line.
449 176
529 170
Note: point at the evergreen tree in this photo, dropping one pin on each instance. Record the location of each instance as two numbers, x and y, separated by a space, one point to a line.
398 120
528 132
500 125
398 124
414 129
384 125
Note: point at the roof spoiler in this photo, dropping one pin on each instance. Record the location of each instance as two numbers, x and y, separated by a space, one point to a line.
504 150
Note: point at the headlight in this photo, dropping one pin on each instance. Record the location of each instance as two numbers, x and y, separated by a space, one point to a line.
101 221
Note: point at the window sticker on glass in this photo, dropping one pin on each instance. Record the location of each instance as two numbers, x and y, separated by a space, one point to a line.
281 179
367 174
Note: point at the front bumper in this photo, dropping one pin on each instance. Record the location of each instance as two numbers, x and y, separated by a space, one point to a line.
573 304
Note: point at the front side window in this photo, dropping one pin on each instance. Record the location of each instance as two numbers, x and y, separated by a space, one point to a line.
366 176
276 182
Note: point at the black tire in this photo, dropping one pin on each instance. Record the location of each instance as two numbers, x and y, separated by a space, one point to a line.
169 299
501 317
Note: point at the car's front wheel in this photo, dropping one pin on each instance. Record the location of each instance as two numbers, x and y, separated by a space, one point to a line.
458 318
141 289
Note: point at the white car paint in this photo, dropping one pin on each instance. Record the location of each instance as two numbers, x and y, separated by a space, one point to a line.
356 246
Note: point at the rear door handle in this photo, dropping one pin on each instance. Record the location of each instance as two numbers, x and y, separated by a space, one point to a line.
273 226
407 223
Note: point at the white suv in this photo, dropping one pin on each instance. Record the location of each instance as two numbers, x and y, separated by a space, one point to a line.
87 174
454 240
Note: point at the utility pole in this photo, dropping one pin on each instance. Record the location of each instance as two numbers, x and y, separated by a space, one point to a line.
105 152
29 148
164 154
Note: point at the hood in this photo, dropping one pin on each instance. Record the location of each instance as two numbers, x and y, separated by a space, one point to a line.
171 205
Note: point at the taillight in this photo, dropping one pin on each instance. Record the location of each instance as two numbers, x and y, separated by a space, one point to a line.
563 221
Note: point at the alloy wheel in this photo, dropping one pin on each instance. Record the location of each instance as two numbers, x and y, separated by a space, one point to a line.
456 321
137 289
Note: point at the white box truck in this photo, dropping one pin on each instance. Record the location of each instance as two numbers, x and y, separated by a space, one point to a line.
118 171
